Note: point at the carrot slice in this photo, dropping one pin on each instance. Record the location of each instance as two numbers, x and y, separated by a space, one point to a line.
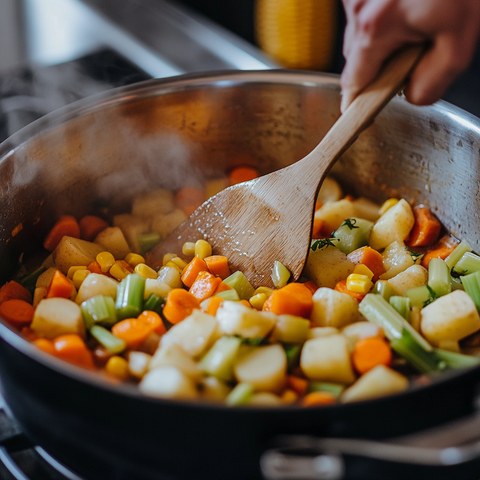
242 174
45 345
179 305
426 228
315 399
370 258
17 313
218 265
341 286
297 384
311 286
370 352
222 287
153 319
213 304
205 285
133 331
12 290
66 225
292 299
442 249
60 286
91 226
191 271
72 348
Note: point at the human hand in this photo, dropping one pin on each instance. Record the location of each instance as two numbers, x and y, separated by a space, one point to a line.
377 28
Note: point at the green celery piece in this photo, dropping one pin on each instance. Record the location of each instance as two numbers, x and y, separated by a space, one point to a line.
218 361
240 395
469 263
154 303
30 280
148 240
292 350
471 284
439 279
334 388
112 343
353 234
99 310
129 303
401 305
457 283
419 296
456 360
384 289
229 295
457 254
239 282
280 274
377 310
409 348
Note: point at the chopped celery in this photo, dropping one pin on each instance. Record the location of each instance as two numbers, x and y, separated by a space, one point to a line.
383 288
377 310
112 343
420 296
218 361
239 282
457 254
334 388
439 279
456 360
280 274
148 240
409 348
229 295
240 395
401 305
469 263
99 310
129 303
154 303
353 234
292 351
30 280
471 283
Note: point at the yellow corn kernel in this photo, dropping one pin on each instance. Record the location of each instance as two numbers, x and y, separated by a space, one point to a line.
359 283
387 205
179 262
289 396
202 249
73 269
266 290
133 259
188 249
363 270
145 271
105 260
118 271
79 276
168 257
173 265
118 367
257 301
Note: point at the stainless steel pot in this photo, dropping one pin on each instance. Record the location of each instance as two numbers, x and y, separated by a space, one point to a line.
99 153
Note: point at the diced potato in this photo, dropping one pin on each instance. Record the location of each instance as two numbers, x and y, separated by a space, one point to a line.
138 363
333 214
195 334
214 389
157 287
218 361
132 226
265 399
366 209
43 280
234 318
333 309
152 203
150 344
394 225
168 382
264 367
378 382
327 266
38 295
330 191
174 355
291 329
96 284
113 240
451 317
364 329
317 332
327 359
74 251
170 276
165 224
57 316
396 259
412 277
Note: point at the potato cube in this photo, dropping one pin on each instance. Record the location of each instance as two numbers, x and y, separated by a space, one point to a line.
167 223
333 309
363 329
174 355
291 329
333 214
74 252
132 226
168 382
96 284
330 191
396 259
113 240
157 287
152 203
412 277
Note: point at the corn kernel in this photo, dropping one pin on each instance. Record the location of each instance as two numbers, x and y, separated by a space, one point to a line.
168 257
179 262
257 301
79 276
105 260
289 396
387 205
363 270
118 271
202 249
174 265
266 290
188 249
145 271
359 283
133 259
118 367
72 270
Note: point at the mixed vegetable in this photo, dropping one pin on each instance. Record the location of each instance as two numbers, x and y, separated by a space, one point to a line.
386 301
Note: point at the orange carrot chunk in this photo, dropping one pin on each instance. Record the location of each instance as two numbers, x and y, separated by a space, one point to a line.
72 348
292 299
370 352
242 174
189 198
91 226
12 290
213 304
191 271
16 312
66 225
341 286
316 399
442 249
311 286
297 384
153 319
60 286
426 228
45 345
205 285
133 331
218 265
370 258
179 305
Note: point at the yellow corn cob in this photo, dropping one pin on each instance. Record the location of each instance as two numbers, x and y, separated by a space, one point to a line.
118 271
105 260
118 367
202 249
363 270
145 271
359 283
79 276
188 249
387 205
133 259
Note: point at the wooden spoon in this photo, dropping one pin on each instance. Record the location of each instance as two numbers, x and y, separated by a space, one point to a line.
270 218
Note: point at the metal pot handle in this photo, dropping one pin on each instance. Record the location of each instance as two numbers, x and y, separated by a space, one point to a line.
439 453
